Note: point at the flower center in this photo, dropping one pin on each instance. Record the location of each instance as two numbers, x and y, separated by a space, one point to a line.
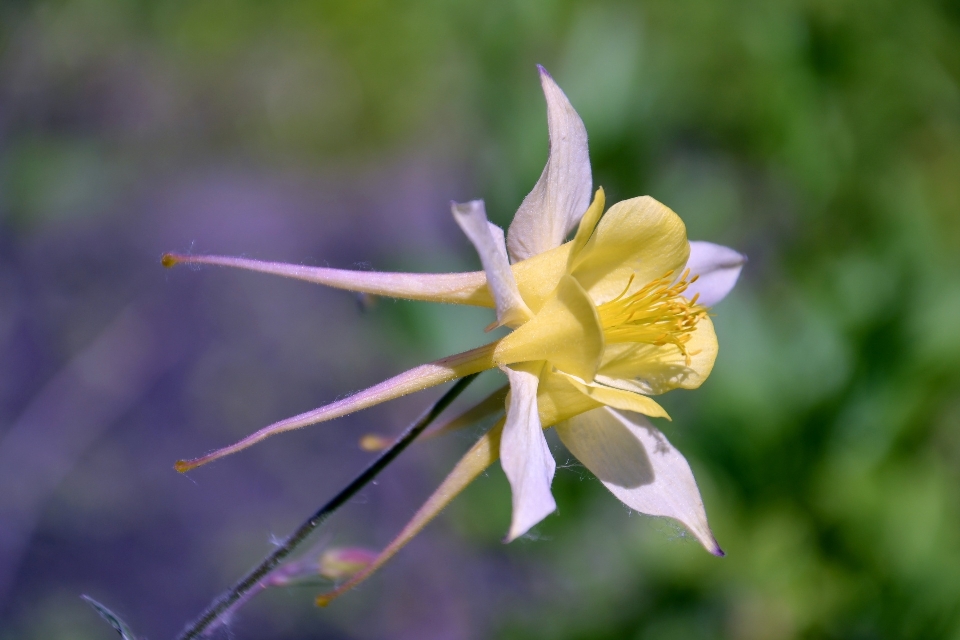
656 314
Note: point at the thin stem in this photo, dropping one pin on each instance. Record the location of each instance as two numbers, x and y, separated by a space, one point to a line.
250 581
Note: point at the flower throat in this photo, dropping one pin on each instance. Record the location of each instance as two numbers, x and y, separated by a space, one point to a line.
656 314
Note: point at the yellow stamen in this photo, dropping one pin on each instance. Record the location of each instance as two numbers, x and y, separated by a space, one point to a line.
656 314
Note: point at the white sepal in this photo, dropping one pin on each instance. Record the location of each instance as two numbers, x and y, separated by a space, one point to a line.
488 240
718 268
637 464
561 196
524 454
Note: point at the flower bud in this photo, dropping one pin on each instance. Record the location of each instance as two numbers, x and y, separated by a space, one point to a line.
341 563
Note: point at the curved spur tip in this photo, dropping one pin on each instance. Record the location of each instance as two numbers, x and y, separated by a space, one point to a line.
182 466
543 71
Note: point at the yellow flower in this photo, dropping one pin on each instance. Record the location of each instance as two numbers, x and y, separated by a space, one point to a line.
600 324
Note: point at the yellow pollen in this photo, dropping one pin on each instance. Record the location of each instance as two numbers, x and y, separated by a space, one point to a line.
656 314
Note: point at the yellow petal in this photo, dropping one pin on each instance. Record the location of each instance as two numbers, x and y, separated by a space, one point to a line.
558 399
620 399
477 459
566 332
537 277
587 224
653 369
638 237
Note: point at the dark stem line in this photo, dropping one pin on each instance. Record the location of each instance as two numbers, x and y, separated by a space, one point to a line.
248 582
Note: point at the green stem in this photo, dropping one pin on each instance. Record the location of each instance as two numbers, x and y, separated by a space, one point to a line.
241 588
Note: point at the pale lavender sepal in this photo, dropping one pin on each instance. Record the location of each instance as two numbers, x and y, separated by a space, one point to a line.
488 240
524 454
456 288
718 268
561 196
639 466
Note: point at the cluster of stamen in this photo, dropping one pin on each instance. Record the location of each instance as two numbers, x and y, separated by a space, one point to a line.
656 314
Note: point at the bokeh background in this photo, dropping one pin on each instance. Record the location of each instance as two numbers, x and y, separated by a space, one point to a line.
819 137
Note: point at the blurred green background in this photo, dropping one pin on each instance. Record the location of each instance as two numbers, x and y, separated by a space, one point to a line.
821 138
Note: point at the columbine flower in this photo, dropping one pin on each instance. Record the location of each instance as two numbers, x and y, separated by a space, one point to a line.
600 324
